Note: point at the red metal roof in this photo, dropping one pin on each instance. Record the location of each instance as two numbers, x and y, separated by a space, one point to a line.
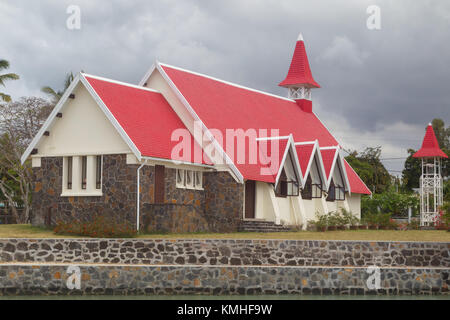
430 146
356 184
146 117
328 158
304 154
299 71
222 105
270 157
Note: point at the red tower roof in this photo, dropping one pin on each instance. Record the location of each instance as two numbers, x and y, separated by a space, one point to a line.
430 146
299 72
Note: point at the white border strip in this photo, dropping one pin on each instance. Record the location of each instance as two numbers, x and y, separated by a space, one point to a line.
210 136
50 118
120 83
219 80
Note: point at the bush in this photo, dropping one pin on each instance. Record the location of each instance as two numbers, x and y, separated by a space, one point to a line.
395 203
321 223
414 225
100 227
349 217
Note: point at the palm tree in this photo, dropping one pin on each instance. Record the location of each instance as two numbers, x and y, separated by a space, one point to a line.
5 77
57 94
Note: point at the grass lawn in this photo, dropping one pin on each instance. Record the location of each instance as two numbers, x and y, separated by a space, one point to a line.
28 231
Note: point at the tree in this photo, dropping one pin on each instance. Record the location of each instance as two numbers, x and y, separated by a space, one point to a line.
55 95
369 167
412 171
5 77
442 134
19 123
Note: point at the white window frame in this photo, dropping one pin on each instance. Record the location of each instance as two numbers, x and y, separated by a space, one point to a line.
196 179
91 178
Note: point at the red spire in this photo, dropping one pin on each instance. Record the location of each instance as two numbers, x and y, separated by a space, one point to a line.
430 146
299 72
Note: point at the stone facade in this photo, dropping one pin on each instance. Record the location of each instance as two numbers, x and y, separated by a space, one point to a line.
217 208
228 252
16 279
224 201
118 201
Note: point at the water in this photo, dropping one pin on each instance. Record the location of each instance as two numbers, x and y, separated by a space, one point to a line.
246 297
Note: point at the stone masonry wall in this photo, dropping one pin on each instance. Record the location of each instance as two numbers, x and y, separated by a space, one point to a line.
217 208
16 279
118 201
224 201
227 252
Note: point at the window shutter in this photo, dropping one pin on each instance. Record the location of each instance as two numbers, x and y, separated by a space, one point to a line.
159 184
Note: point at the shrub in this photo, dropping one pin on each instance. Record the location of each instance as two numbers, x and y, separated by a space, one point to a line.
441 222
393 202
414 225
100 227
321 223
349 217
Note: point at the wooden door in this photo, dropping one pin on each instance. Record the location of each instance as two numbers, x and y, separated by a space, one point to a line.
250 192
159 184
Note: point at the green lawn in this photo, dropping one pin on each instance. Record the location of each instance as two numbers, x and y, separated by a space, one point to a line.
28 231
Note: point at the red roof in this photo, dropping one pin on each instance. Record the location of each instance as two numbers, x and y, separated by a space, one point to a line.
299 72
356 184
304 154
222 105
328 158
136 110
430 146
268 163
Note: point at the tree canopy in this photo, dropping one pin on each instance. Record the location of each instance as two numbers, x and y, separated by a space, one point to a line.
4 64
369 167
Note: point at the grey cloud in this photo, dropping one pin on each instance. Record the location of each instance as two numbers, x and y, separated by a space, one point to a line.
372 79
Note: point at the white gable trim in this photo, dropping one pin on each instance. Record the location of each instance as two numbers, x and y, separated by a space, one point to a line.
289 147
321 169
344 171
79 78
120 83
235 171
111 118
338 157
149 72
333 163
50 119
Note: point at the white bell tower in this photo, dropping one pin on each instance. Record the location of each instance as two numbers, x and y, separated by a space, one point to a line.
431 184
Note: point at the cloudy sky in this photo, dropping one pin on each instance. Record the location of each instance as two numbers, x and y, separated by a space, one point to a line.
379 87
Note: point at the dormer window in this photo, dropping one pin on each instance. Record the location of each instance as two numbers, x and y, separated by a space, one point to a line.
286 188
331 192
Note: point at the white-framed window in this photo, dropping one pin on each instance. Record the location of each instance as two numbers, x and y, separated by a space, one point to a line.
189 179
82 175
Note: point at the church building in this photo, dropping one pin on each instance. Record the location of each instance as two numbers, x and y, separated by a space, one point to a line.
186 152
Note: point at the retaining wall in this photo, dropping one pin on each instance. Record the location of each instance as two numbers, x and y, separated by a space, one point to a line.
113 279
227 252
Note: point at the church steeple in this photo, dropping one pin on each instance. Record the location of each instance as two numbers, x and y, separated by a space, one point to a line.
299 79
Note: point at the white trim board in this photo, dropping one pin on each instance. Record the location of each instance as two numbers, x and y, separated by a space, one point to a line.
237 174
80 79
147 75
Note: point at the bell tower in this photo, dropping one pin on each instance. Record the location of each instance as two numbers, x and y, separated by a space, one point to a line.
431 186
299 80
